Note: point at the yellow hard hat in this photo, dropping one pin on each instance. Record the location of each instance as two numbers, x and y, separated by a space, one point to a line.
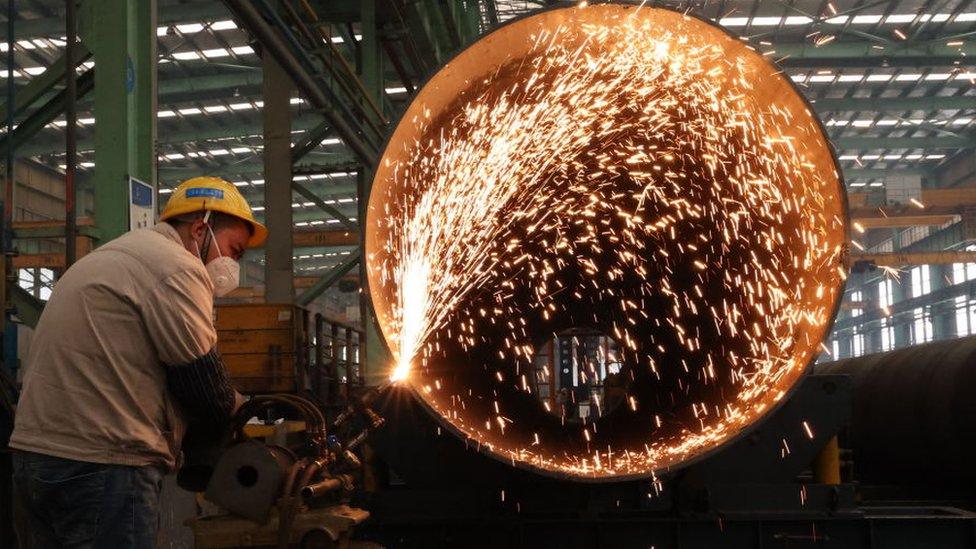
216 195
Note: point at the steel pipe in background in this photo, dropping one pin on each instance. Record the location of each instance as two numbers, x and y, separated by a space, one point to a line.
914 414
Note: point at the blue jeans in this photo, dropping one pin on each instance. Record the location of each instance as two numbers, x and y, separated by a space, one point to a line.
67 503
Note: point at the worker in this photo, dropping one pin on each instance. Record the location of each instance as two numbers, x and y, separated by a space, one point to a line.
123 358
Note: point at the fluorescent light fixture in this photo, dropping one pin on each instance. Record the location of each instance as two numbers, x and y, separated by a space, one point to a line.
226 24
900 18
186 55
189 111
215 108
797 20
728 22
216 52
190 28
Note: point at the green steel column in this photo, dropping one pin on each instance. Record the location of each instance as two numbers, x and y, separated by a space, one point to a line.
375 358
471 21
122 36
900 291
872 336
371 66
278 268
944 313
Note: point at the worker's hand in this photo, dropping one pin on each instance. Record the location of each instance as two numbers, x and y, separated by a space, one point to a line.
239 399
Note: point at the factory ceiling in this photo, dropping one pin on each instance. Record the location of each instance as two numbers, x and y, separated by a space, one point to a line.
893 82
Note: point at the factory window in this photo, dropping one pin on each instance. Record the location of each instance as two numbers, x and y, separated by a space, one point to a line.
965 316
37 281
962 272
857 342
886 293
887 335
921 326
921 281
587 381
835 349
856 297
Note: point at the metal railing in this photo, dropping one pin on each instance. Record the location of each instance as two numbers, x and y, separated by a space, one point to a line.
334 358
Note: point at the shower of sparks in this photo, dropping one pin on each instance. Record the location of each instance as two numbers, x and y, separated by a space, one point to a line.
624 166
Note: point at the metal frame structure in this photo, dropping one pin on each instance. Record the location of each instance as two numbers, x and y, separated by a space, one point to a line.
894 82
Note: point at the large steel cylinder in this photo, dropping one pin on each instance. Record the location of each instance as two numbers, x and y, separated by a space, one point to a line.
913 414
605 240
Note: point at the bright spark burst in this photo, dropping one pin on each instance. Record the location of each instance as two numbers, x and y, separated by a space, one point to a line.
636 171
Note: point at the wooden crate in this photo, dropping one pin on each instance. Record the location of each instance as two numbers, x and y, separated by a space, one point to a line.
262 345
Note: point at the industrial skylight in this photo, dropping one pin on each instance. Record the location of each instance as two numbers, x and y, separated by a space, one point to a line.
893 19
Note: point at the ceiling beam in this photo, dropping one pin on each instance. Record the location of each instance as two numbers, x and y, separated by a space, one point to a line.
895 104
46 27
872 220
863 53
338 162
253 129
872 143
900 259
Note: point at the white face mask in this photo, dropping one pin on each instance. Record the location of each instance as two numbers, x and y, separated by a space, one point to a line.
224 271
